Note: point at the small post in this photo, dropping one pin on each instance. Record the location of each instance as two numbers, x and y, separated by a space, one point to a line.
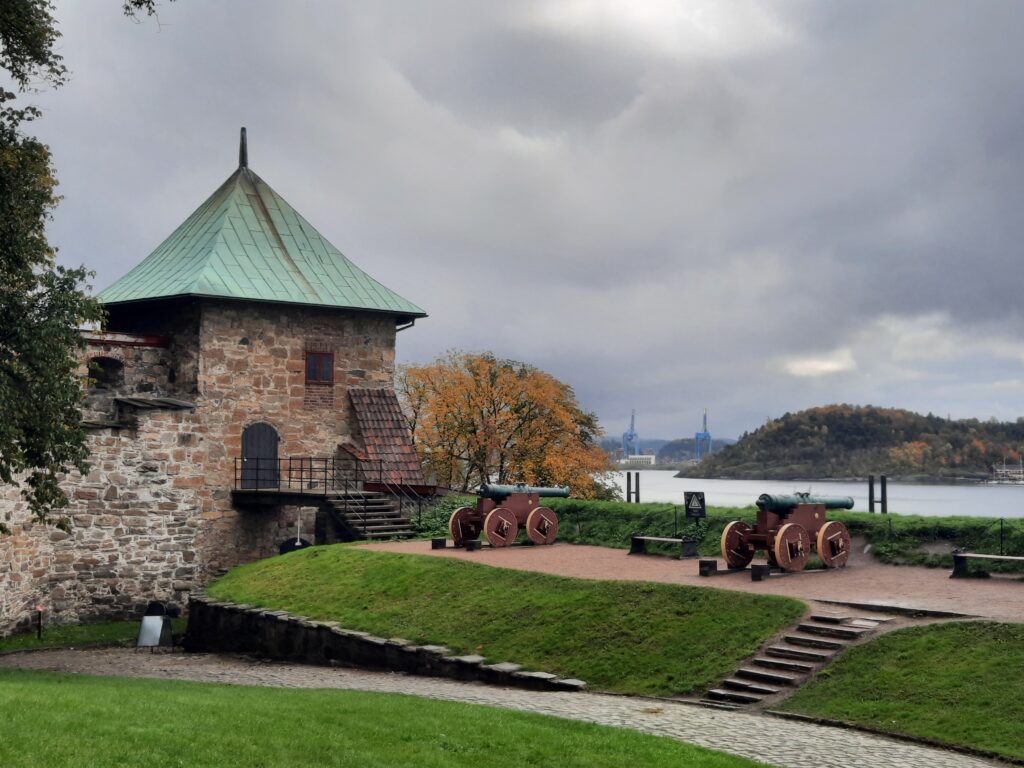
243 151
636 488
871 493
885 497
1001 521
629 486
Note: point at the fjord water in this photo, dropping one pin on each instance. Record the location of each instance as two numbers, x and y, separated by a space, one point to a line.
974 500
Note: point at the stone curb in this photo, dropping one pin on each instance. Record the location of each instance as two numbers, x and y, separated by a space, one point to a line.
899 610
920 740
221 627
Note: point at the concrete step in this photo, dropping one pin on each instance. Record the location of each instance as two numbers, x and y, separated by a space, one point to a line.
389 534
764 676
785 652
718 704
814 642
748 687
846 633
721 694
788 665
829 618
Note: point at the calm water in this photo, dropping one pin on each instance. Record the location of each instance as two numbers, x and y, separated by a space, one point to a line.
909 499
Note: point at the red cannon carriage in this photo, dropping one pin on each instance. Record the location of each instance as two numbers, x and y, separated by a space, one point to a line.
501 510
786 527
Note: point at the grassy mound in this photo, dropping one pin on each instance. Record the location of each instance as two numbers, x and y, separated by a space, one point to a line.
960 683
630 637
58 720
77 636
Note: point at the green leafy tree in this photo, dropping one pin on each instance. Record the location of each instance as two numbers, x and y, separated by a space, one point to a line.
42 304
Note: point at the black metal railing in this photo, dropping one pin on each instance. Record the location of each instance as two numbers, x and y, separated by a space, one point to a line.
322 475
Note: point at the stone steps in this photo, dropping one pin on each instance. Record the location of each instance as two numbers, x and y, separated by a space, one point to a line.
786 664
370 515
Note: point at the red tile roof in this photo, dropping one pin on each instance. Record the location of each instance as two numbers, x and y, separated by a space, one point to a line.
386 435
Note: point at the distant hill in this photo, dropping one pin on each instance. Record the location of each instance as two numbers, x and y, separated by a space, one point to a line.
845 441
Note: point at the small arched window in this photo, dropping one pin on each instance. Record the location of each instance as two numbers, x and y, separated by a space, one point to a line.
106 373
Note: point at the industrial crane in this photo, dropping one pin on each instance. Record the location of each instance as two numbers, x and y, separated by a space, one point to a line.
630 439
702 440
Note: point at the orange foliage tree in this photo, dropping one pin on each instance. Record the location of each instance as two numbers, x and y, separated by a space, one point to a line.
479 419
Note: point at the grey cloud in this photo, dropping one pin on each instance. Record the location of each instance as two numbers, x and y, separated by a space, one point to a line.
658 227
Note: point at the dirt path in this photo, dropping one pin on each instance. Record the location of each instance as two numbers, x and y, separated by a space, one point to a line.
863 581
783 743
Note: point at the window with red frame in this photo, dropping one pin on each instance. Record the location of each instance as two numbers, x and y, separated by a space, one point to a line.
319 367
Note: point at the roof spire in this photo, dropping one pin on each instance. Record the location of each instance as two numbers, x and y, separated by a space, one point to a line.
243 151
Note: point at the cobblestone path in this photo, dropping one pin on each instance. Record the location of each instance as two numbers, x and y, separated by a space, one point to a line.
782 743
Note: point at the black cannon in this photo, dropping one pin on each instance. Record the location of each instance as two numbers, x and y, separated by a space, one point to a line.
786 527
500 512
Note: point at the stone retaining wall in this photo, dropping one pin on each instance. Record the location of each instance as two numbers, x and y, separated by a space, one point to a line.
227 627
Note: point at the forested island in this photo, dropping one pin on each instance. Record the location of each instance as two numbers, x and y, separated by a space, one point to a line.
846 442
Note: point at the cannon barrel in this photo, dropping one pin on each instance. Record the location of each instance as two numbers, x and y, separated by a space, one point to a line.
500 492
783 503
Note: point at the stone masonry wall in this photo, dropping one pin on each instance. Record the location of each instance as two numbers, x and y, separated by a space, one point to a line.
252 369
154 518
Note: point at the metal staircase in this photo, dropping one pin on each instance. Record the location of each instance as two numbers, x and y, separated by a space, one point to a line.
358 514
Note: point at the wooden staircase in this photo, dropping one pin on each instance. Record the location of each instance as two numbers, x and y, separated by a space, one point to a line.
367 515
788 662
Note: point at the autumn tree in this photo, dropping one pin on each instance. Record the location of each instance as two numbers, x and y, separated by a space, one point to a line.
42 304
478 419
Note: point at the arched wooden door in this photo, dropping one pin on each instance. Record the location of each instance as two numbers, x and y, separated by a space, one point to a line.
259 456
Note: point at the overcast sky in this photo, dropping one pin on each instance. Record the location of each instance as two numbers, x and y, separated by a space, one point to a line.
754 207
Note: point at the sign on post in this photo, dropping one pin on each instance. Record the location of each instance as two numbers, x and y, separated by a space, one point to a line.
695 507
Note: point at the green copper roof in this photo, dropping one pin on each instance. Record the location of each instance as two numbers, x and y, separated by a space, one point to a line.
247 242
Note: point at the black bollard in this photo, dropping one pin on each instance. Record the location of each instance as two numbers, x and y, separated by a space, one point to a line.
885 497
637 488
871 493
629 487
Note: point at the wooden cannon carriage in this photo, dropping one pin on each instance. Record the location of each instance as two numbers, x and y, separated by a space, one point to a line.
501 510
786 527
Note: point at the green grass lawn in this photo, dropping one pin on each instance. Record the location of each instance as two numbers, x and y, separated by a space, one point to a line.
631 637
108 633
52 720
961 683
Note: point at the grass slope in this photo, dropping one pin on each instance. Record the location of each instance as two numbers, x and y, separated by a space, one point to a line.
630 637
109 633
960 683
52 721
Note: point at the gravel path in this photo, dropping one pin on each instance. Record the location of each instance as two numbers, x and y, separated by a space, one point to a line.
782 743
863 581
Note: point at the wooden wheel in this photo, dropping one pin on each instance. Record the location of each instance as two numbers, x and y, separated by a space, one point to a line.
542 526
463 526
833 544
736 550
500 527
792 547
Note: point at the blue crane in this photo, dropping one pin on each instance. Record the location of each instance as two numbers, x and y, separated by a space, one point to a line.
630 439
702 440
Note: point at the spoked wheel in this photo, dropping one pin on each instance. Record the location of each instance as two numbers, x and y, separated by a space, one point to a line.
736 549
542 526
792 547
463 527
500 527
833 544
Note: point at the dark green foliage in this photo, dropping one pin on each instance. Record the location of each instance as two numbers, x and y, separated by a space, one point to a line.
960 683
631 637
898 539
842 441
68 721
